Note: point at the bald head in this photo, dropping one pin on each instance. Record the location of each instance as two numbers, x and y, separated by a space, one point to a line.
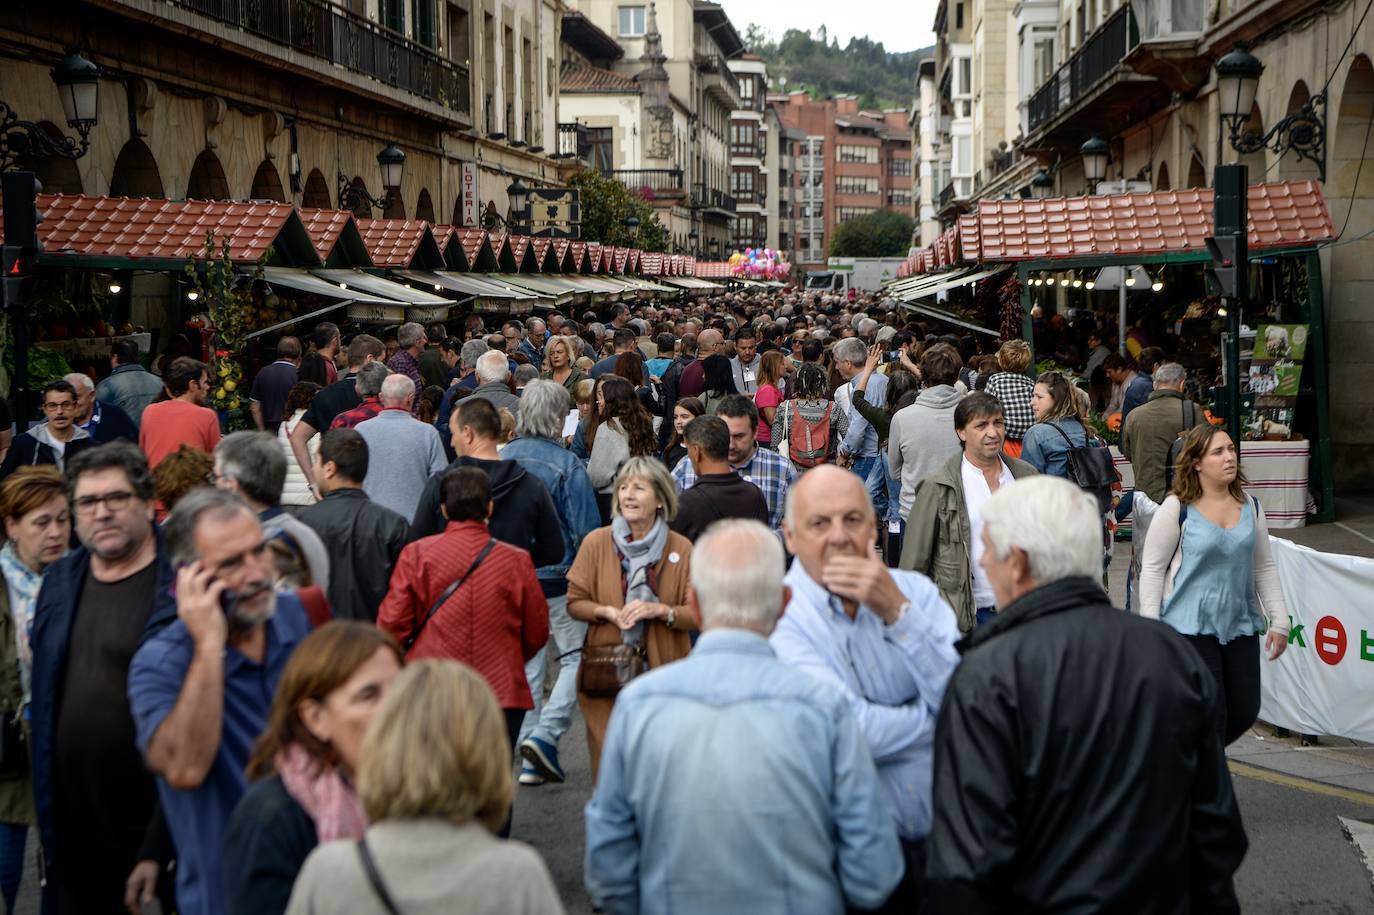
397 391
828 514
708 342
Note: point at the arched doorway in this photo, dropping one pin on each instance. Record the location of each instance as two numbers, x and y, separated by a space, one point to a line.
396 206
457 219
1197 173
1254 162
56 174
207 180
363 210
267 184
1291 168
316 194
135 172
1162 179
424 207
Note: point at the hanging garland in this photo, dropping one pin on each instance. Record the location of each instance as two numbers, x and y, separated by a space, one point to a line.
1012 319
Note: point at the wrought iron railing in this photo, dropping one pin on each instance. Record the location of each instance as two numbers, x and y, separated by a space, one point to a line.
572 141
648 181
946 195
1101 54
712 198
339 36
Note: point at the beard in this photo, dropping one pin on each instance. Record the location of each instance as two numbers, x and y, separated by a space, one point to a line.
264 605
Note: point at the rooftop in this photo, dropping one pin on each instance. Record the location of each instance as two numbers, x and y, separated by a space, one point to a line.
586 78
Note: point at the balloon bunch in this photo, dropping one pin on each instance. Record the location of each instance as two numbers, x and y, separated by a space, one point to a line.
760 264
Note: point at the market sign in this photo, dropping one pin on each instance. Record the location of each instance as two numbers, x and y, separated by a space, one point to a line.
467 193
555 212
377 314
423 315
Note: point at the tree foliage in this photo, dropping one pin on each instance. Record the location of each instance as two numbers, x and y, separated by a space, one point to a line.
881 233
606 204
863 67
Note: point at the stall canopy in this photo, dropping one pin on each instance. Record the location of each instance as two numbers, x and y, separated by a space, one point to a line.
304 281
398 292
689 282
467 284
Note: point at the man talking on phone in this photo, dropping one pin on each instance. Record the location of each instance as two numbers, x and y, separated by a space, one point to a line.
201 689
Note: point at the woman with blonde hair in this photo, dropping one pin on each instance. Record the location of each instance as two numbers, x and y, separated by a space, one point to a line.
1208 572
304 763
560 363
629 584
434 778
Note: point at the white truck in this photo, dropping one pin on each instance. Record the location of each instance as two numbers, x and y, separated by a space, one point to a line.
863 274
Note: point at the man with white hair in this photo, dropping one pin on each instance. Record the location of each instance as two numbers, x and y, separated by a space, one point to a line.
860 446
730 781
402 451
884 638
1152 428
1077 763
412 341
103 422
493 374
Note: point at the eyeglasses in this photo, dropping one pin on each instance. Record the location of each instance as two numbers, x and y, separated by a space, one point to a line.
61 406
116 501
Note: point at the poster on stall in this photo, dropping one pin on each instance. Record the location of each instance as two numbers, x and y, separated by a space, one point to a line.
1275 372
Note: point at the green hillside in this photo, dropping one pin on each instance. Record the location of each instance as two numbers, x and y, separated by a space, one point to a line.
799 60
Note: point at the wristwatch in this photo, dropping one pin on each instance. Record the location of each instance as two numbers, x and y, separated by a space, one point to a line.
672 616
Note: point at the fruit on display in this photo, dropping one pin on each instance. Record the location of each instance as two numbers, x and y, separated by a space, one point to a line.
228 375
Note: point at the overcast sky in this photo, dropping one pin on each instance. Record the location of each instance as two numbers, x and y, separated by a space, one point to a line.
900 26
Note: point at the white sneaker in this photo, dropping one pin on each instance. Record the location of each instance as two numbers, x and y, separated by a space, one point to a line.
530 776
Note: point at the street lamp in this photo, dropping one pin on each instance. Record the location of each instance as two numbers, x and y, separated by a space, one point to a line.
1303 131
632 228
1042 185
1095 153
692 238
392 162
78 84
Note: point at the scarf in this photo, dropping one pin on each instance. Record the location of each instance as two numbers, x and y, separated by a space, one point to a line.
637 558
23 584
329 799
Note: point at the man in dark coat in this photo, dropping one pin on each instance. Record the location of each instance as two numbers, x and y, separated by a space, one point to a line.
719 492
1077 762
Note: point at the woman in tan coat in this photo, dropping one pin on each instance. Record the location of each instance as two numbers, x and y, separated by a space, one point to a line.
629 582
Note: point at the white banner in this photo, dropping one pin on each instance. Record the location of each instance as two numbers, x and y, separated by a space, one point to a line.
1324 682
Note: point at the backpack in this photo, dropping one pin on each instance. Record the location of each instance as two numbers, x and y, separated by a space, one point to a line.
1176 446
808 444
1091 469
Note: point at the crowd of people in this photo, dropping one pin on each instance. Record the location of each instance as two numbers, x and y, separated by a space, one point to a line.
826 589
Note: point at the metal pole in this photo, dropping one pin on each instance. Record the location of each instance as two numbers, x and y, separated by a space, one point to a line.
1121 313
1233 373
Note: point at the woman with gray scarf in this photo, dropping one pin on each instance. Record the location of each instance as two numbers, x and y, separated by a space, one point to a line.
629 584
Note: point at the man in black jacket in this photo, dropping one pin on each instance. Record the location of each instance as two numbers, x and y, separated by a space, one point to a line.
672 375
1077 762
363 538
53 442
719 491
523 514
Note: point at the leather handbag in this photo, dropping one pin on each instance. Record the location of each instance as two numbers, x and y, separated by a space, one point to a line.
606 669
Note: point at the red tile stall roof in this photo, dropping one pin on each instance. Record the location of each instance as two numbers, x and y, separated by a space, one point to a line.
633 264
712 269
161 230
561 247
578 251
541 249
324 228
968 237
472 241
1284 214
594 256
651 263
519 244
443 235
392 242
619 258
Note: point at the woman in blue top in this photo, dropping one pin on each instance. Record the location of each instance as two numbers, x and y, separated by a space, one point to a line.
1208 572
1058 426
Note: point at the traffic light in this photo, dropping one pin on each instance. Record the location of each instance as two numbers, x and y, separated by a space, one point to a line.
21 248
1228 260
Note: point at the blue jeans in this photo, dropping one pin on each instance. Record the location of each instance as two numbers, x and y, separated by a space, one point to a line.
984 614
550 721
870 470
13 837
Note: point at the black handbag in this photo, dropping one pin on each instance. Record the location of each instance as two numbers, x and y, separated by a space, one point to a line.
448 592
14 746
1091 469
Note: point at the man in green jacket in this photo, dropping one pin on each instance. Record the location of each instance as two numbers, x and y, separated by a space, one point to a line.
944 532
1151 428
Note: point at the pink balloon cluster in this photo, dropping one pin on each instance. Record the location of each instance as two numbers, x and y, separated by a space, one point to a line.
759 264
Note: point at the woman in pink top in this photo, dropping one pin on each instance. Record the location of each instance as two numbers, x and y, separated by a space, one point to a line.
769 395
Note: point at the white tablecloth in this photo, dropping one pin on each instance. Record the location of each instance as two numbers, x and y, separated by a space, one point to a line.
1278 478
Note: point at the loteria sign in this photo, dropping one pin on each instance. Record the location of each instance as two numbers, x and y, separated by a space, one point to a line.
467 191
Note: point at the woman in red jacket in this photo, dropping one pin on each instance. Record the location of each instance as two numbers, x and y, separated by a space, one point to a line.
494 621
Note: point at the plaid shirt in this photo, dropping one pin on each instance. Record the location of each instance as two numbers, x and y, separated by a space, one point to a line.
349 419
403 363
1014 391
768 470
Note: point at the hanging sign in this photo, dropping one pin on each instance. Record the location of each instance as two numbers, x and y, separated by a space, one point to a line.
467 192
555 212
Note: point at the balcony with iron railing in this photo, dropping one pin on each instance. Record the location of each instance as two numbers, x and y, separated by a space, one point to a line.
1089 76
717 79
649 182
746 150
712 199
573 142
331 33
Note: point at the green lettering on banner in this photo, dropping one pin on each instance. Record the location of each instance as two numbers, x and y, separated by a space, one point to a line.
1295 634
1366 646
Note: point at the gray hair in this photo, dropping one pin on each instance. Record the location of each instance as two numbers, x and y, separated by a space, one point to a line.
543 408
1057 525
524 374
471 352
80 381
493 366
532 323
736 572
652 471
371 377
1169 375
409 334
866 327
179 532
885 333
256 462
851 350
397 391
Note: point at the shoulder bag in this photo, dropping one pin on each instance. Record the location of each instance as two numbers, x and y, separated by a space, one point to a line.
1090 468
607 669
374 878
448 592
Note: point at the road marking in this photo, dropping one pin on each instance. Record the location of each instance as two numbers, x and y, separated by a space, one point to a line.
1361 835
1245 770
1349 529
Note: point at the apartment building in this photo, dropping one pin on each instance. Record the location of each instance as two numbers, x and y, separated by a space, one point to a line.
931 153
853 163
286 102
749 139
783 155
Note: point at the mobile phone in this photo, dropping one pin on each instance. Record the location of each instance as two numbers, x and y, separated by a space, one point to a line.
228 599
892 355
